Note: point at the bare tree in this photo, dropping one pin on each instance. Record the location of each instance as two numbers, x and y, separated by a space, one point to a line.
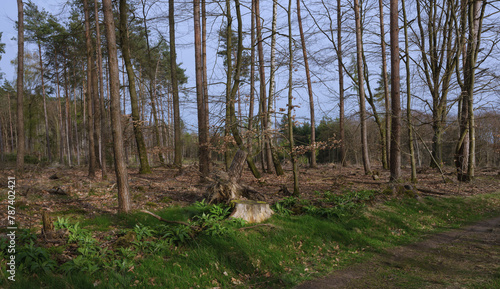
293 155
125 47
20 88
114 79
361 89
411 147
387 135
90 113
203 153
395 164
309 88
263 98
101 92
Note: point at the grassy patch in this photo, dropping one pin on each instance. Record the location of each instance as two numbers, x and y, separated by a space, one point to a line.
308 240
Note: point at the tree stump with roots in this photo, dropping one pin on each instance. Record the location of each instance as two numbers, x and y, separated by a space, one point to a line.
225 188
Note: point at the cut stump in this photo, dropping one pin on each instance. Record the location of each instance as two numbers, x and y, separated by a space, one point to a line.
251 211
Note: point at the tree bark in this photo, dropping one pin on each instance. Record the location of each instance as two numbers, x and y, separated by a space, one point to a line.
395 165
309 88
341 85
295 169
236 85
175 87
411 148
252 82
67 115
203 151
361 89
205 75
120 165
47 136
20 89
136 121
263 98
385 142
90 113
101 94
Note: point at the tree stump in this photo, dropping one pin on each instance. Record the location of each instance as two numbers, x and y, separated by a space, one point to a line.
251 211
48 225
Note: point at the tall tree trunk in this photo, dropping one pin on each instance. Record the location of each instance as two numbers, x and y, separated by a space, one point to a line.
229 76
295 169
395 165
59 111
77 143
387 140
466 147
205 74
361 89
47 136
204 156
10 124
263 97
341 85
90 113
309 88
234 89
175 88
139 138
250 134
277 164
120 165
67 115
411 148
101 94
152 88
20 89
97 115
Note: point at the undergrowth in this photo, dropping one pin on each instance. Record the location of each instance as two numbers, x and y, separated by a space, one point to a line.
307 239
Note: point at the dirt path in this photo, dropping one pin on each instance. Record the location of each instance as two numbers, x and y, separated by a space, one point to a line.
463 258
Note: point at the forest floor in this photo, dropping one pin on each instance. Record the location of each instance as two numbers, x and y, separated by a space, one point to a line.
63 190
454 259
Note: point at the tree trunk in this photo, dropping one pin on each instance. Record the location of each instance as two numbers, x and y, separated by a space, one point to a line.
139 138
203 153
47 136
295 169
395 165
263 98
59 111
252 82
236 85
101 94
120 165
229 76
67 112
90 113
341 85
386 142
20 89
361 90
10 124
175 88
411 148
205 75
309 88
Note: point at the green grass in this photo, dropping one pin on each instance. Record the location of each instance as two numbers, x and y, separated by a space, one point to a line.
300 247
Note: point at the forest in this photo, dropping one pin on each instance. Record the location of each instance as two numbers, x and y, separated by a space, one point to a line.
244 143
